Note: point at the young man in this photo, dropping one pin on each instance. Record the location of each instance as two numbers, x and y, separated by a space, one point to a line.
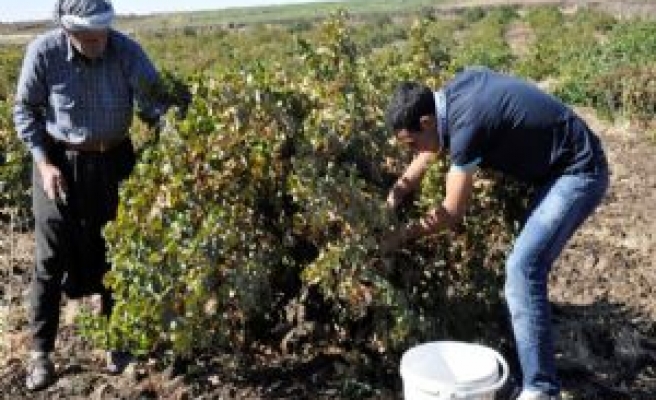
74 107
484 119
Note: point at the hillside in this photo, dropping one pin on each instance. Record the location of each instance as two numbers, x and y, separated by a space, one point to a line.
238 17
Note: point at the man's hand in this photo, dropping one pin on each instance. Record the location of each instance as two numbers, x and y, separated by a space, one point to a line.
394 198
53 181
391 241
394 239
410 179
411 231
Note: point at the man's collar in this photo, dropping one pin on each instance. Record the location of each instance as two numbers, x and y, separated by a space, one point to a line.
442 121
70 49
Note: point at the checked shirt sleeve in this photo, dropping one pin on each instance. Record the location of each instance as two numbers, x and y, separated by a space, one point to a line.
30 102
147 87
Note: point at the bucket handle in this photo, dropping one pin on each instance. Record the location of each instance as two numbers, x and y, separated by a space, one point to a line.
504 377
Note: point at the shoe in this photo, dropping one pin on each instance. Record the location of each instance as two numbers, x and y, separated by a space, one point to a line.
40 372
117 361
533 395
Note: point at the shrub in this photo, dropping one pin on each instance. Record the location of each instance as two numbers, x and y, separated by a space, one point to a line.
269 197
628 92
15 167
484 43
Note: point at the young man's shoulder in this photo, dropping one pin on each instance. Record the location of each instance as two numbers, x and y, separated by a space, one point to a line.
472 73
465 93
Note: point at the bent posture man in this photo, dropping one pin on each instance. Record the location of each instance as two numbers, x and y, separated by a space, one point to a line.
489 120
74 107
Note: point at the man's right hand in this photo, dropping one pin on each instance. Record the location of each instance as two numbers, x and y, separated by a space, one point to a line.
410 179
393 200
53 181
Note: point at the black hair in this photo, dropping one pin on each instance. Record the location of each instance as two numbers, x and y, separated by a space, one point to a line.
409 103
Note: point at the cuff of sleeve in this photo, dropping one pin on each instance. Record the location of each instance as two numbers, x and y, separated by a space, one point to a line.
466 167
38 154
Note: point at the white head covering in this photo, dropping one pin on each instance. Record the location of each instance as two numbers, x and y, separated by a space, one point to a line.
80 15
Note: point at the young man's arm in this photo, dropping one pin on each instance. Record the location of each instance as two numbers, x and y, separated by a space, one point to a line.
410 179
459 187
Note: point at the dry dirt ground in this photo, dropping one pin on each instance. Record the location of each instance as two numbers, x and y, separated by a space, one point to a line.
604 284
602 288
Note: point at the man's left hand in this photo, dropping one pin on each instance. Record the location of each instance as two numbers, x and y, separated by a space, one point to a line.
392 241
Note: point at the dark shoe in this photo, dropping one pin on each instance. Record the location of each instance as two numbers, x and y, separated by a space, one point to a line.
40 373
117 361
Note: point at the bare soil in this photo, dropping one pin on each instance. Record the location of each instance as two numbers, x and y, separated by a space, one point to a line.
603 285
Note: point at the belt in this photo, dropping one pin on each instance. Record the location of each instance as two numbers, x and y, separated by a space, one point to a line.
96 146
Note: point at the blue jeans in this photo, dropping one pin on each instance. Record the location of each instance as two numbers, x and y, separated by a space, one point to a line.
559 208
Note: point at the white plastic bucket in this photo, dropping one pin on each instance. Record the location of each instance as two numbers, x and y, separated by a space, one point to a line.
452 370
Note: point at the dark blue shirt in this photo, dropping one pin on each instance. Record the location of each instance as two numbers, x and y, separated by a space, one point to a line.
506 124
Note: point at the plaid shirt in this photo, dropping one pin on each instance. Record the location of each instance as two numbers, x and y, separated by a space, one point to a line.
76 100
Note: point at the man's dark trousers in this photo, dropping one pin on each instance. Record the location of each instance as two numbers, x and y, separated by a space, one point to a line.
70 249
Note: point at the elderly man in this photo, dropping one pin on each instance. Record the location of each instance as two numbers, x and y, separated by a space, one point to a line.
74 107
